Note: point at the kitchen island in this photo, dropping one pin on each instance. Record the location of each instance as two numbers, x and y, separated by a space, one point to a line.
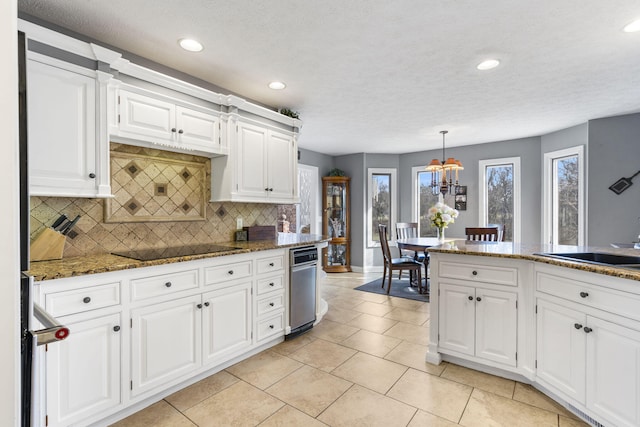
570 328
141 330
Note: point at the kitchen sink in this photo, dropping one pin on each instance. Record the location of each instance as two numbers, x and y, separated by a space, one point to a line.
624 261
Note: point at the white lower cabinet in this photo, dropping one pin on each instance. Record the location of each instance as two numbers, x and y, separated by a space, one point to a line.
165 342
593 362
226 322
478 322
136 333
83 372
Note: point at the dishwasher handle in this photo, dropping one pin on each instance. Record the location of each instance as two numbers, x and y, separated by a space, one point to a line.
53 330
305 266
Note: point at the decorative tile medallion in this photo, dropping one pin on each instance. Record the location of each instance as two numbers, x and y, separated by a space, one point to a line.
161 189
221 212
154 188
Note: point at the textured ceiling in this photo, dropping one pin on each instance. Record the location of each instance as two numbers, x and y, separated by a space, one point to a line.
386 76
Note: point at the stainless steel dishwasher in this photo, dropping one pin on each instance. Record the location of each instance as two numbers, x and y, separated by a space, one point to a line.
302 289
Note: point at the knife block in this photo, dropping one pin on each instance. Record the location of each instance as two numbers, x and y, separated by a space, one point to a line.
47 246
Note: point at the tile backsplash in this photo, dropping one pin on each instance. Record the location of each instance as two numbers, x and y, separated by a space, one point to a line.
92 235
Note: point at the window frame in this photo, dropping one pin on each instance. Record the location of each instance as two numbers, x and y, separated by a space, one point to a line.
549 197
482 193
393 201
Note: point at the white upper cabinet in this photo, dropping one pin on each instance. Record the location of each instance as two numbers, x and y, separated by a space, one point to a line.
262 166
65 156
146 118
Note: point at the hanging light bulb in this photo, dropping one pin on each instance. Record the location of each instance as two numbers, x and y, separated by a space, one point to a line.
444 173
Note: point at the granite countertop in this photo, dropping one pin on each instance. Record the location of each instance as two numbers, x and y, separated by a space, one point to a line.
529 251
102 263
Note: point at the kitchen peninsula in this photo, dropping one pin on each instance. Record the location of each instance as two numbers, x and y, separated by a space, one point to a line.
145 329
570 328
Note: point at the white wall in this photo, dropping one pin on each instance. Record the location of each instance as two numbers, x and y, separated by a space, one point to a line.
9 249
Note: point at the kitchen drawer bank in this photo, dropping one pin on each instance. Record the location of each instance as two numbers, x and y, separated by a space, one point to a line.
572 333
138 335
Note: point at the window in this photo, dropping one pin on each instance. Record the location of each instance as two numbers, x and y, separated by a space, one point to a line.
381 203
563 202
422 200
499 195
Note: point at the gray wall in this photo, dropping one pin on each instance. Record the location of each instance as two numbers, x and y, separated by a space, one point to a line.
565 138
528 149
614 152
323 162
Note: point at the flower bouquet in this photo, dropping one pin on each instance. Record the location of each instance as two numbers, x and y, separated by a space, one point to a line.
441 216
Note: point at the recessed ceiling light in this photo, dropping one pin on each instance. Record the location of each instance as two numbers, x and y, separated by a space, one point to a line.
277 85
488 64
632 27
191 45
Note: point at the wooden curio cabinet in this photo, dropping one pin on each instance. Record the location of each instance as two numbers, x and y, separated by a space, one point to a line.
335 223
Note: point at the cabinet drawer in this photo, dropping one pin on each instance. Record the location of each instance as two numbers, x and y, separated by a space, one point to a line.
271 303
270 327
164 284
602 298
85 299
226 272
271 264
479 273
269 284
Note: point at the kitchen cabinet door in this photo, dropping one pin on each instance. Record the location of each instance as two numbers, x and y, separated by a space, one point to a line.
146 116
281 166
613 372
62 130
561 349
165 342
227 318
457 318
478 322
496 321
198 130
83 371
252 167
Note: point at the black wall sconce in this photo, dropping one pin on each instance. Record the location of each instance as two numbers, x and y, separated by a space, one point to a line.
622 184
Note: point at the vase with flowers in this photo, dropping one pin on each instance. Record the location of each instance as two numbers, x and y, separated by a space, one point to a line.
441 216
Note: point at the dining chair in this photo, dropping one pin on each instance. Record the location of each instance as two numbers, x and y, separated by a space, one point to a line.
392 264
407 230
485 234
500 228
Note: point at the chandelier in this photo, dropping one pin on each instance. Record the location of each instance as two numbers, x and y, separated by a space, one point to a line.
444 174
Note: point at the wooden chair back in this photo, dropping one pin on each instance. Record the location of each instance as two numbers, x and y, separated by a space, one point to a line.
500 228
406 230
384 243
485 234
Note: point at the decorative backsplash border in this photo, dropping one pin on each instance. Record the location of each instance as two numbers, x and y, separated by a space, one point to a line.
148 188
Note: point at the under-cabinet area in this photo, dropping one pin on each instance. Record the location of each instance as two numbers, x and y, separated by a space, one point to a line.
575 335
138 335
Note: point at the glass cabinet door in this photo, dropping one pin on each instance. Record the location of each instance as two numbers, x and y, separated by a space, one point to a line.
336 195
335 216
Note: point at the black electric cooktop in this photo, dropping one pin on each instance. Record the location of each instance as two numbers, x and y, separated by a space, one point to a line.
171 252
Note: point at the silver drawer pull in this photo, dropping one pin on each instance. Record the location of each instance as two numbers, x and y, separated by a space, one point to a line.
86 300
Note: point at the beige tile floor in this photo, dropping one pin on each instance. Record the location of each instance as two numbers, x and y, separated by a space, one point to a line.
363 365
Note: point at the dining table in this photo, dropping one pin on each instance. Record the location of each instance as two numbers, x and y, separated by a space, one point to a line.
421 244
